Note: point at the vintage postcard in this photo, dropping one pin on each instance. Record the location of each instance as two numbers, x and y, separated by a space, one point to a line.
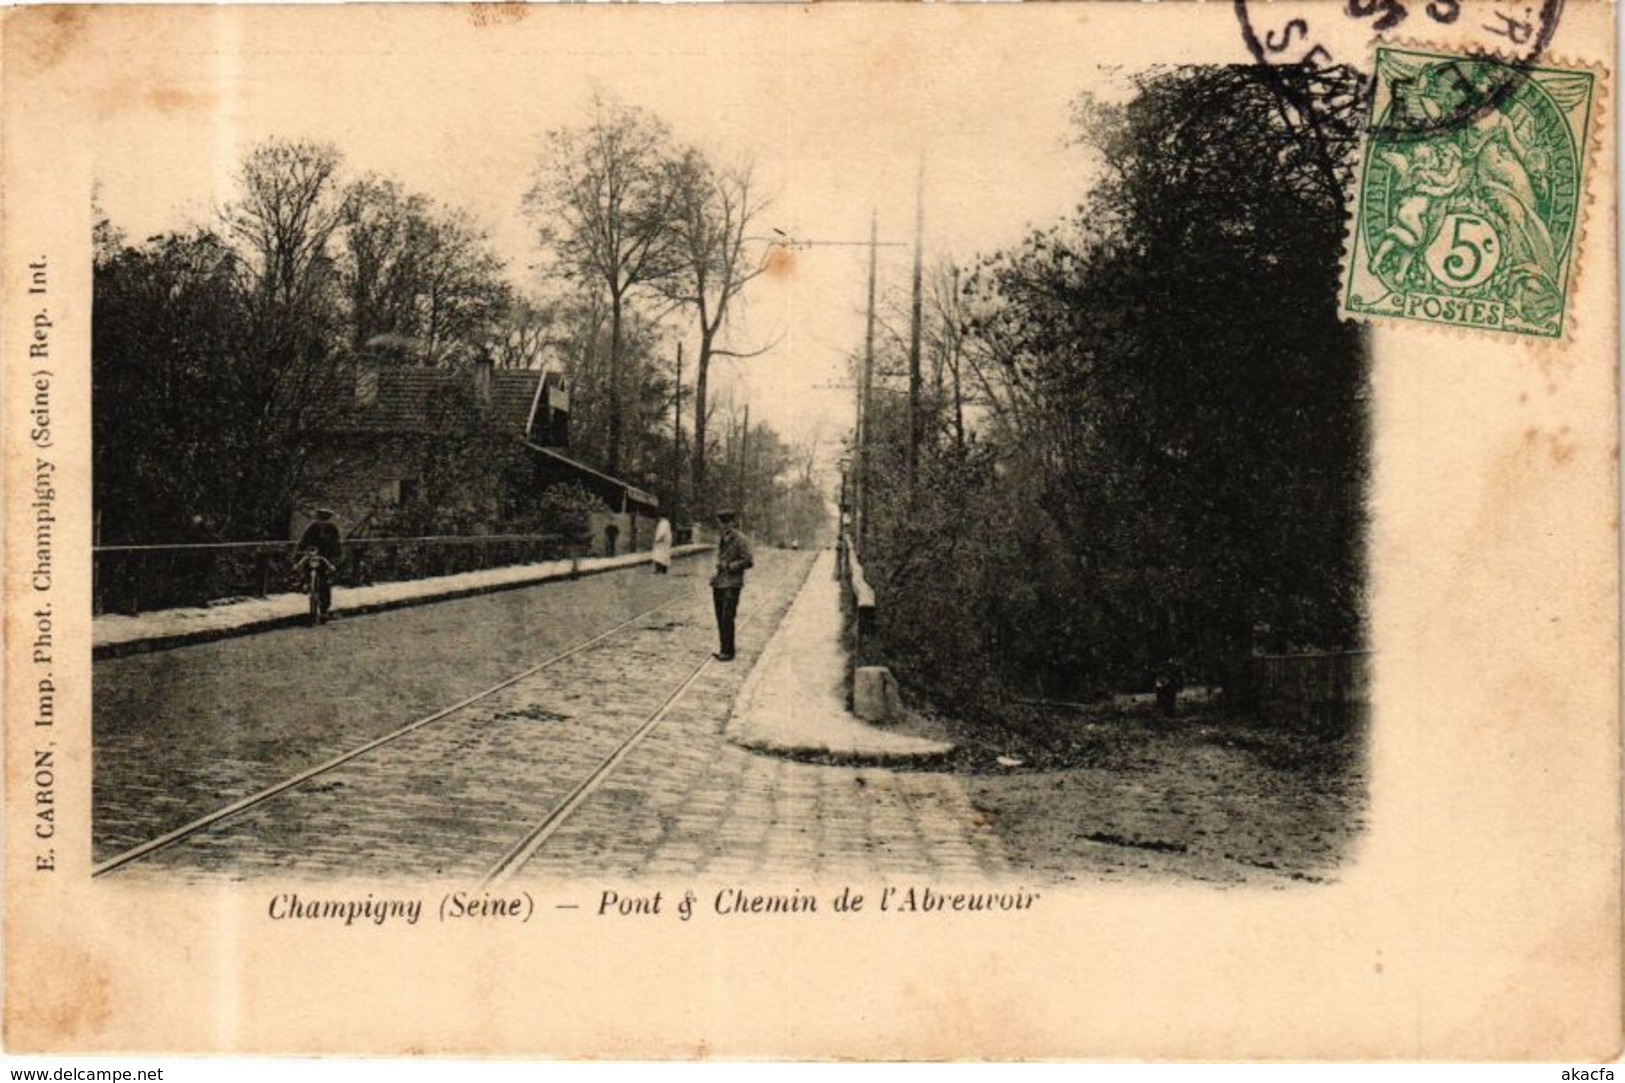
846 531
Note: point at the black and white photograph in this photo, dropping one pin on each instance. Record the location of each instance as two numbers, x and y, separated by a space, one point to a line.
509 475
640 502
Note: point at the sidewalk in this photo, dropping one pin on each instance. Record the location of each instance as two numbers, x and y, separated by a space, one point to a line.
794 702
113 634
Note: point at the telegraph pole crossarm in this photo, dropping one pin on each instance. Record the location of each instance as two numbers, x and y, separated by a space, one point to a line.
861 434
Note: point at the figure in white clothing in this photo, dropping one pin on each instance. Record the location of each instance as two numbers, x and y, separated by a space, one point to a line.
662 547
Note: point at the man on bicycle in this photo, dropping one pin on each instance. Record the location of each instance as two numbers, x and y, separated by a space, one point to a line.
323 537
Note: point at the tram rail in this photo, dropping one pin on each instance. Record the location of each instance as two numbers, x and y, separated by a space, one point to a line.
525 848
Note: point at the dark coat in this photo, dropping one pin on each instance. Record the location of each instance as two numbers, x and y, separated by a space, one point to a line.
322 536
733 558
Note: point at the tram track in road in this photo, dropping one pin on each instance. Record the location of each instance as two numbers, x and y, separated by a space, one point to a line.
531 843
259 797
341 782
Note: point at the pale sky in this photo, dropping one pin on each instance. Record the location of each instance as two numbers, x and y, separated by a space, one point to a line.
836 108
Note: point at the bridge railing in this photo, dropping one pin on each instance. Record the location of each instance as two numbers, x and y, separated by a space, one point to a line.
872 690
857 593
133 578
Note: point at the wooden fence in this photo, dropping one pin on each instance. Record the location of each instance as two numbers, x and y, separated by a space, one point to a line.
1311 687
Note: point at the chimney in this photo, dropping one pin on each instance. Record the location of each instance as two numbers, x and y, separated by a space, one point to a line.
557 424
366 383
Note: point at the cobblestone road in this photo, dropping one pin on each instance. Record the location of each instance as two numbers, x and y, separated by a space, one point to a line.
178 733
447 800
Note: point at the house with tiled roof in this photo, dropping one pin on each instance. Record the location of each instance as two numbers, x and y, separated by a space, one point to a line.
465 450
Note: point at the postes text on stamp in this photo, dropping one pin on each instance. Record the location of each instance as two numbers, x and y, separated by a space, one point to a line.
1470 193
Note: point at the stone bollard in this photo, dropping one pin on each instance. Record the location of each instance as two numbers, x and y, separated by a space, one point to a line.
875 697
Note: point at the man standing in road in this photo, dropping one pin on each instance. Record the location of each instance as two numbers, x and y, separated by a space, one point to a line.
733 559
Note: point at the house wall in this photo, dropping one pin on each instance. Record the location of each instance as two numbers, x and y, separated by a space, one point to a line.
645 521
601 521
635 531
359 480
475 485
366 479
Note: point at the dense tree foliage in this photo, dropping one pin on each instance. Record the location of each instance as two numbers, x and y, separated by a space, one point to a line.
1169 462
421 281
222 355
166 355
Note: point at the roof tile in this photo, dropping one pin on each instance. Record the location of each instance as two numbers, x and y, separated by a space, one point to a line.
431 400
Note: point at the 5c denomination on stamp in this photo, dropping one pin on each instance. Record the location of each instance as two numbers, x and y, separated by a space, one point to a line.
1470 193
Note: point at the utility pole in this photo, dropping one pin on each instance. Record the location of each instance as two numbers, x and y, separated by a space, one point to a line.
954 346
852 476
677 443
916 414
866 402
744 453
861 434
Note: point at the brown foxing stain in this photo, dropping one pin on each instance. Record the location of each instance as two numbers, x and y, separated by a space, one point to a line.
1559 445
170 100
74 1006
780 264
1515 477
56 30
505 13
130 95
948 1012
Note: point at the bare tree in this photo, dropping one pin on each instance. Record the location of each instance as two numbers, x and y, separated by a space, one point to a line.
713 209
291 206
283 224
945 332
600 205
527 329
462 294
417 276
380 249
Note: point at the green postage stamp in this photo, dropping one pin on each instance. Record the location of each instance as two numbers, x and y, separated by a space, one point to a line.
1470 193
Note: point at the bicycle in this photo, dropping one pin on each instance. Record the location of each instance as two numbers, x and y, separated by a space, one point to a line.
320 569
